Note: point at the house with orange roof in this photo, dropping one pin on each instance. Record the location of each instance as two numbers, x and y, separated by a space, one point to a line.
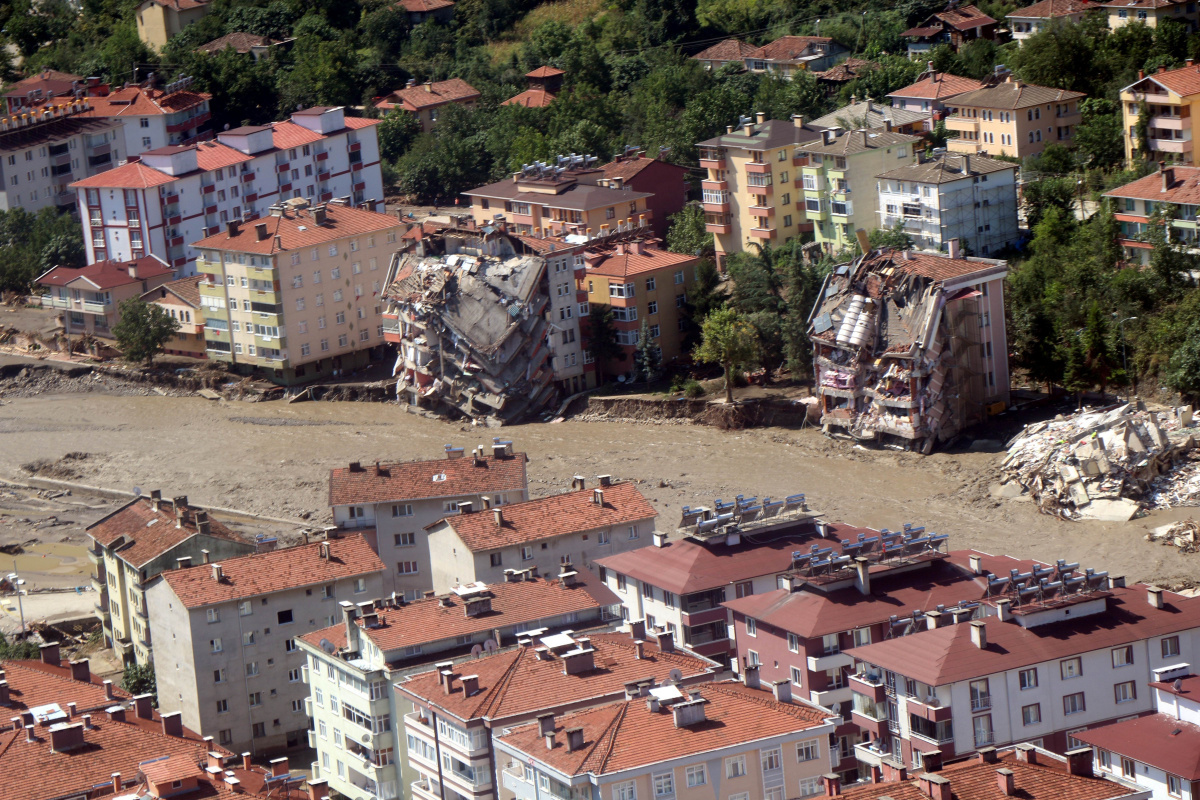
1135 203
138 541
790 54
1150 13
460 710
175 195
955 26
929 93
50 690
159 20
379 644
1172 97
1033 19
90 297
707 741
154 115
440 11
426 100
537 536
181 300
43 87
225 651
1012 118
729 51
544 85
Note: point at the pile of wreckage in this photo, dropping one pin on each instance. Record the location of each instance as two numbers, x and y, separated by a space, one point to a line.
1184 535
471 333
1107 464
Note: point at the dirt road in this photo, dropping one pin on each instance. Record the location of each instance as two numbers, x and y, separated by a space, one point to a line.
273 459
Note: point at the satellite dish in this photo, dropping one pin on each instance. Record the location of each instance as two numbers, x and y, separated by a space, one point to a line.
675 675
476 650
490 645
328 647
620 379
1178 684
137 491
835 708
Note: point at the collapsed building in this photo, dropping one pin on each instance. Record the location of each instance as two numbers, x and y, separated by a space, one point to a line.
909 347
466 313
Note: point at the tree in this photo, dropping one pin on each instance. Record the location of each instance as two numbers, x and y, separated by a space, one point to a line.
647 358
1099 139
397 131
18 650
894 237
687 234
729 340
602 341
143 330
1048 193
139 679
1184 367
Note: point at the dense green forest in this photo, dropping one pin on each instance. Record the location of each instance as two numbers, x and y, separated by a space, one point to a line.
630 79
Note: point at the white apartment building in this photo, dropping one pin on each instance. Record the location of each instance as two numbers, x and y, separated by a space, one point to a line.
392 503
952 196
225 651
152 117
564 271
178 194
42 152
380 643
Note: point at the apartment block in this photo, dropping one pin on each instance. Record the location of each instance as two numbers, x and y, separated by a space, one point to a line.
42 151
1031 20
460 709
666 183
1134 203
867 113
178 194
952 196
568 308
753 174
710 741
538 536
838 181
40 88
132 546
1150 13
1159 751
426 102
1057 652
1172 98
1012 118
159 20
89 298
181 300
392 503
380 643
955 26
294 296
931 92
226 655
154 115
678 585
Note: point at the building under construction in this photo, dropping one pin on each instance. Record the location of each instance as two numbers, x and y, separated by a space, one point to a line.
909 347
465 312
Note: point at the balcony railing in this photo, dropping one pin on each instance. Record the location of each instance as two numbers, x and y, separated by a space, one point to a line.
984 738
981 702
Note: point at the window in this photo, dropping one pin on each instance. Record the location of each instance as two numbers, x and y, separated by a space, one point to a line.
214 615
251 669
809 750
1028 678
772 760
245 608
797 676
404 510
696 776
982 727
405 539
664 784
294 675
810 787
1031 715
1070 668
218 676
1174 784
1128 768
406 567
981 698
752 658
260 730
1073 703
735 767
214 645
862 637
793 643
652 307
247 638
1170 646
626 790
1125 692
527 553
751 627
1122 656
830 644
678 277
222 706
497 559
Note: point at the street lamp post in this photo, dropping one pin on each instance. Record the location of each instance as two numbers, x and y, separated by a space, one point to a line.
1124 361
17 583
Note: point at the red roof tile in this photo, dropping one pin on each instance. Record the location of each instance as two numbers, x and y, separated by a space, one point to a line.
789 48
185 290
425 6
107 274
938 86
848 70
288 134
428 620
531 98
238 40
421 480
34 683
1184 81
275 571
631 167
1159 740
298 230
1182 187
50 81
1050 9
429 95
947 655
137 101
627 735
128 176
518 683
148 530
549 517
629 264
728 50
181 5
544 72
1143 3
963 18
214 155
928 265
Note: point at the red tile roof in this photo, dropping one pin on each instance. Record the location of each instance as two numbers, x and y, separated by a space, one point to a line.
1051 9
428 620
629 264
275 571
811 614
297 230
972 779
728 50
184 290
627 735
430 95
848 70
963 19
544 72
1183 187
107 274
531 98
136 101
928 265
549 517
128 176
631 167
238 40
34 683
938 86
181 5
425 6
50 81
214 155
1159 740
518 683
947 655
1143 3
148 530
288 134
422 480
789 48
1184 81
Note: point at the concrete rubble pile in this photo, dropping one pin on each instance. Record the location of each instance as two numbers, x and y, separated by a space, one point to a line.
1184 534
1107 464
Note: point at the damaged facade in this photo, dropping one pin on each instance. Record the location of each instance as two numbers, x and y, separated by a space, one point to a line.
469 326
909 348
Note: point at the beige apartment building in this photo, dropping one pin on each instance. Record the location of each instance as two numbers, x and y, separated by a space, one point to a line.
571 199
295 296
133 545
712 741
226 654
1172 96
750 193
89 298
1012 118
159 20
392 503
1150 12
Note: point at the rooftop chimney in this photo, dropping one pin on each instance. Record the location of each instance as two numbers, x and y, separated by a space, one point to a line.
1004 609
639 650
260 231
832 784
143 706
1155 596
988 755
318 788
659 538
50 654
931 761
637 629
798 120
782 690
862 574
579 661
108 690
498 513
1079 761
750 676
172 724
935 786
761 117
545 724
1005 783
666 641
218 573
689 712
470 684
279 767
115 713
955 248
893 770
247 764
574 739
30 736
976 563
4 698
1168 176
979 634
933 619
598 497
1026 753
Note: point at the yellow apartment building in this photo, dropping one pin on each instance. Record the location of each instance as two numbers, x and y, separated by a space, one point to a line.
711 741
294 296
572 199
1150 12
159 20
838 183
181 299
749 193
1172 97
1012 118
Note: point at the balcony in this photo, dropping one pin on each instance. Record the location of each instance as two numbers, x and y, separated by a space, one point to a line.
216 335
322 156
323 176
89 307
282 168
829 661
715 203
981 702
762 211
826 698
868 686
763 233
723 229
962 124
714 186
247 177
1171 145
868 723
767 190
984 738
423 789
190 122
871 754
712 158
50 301
209 189
356 166
758 168
1170 123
